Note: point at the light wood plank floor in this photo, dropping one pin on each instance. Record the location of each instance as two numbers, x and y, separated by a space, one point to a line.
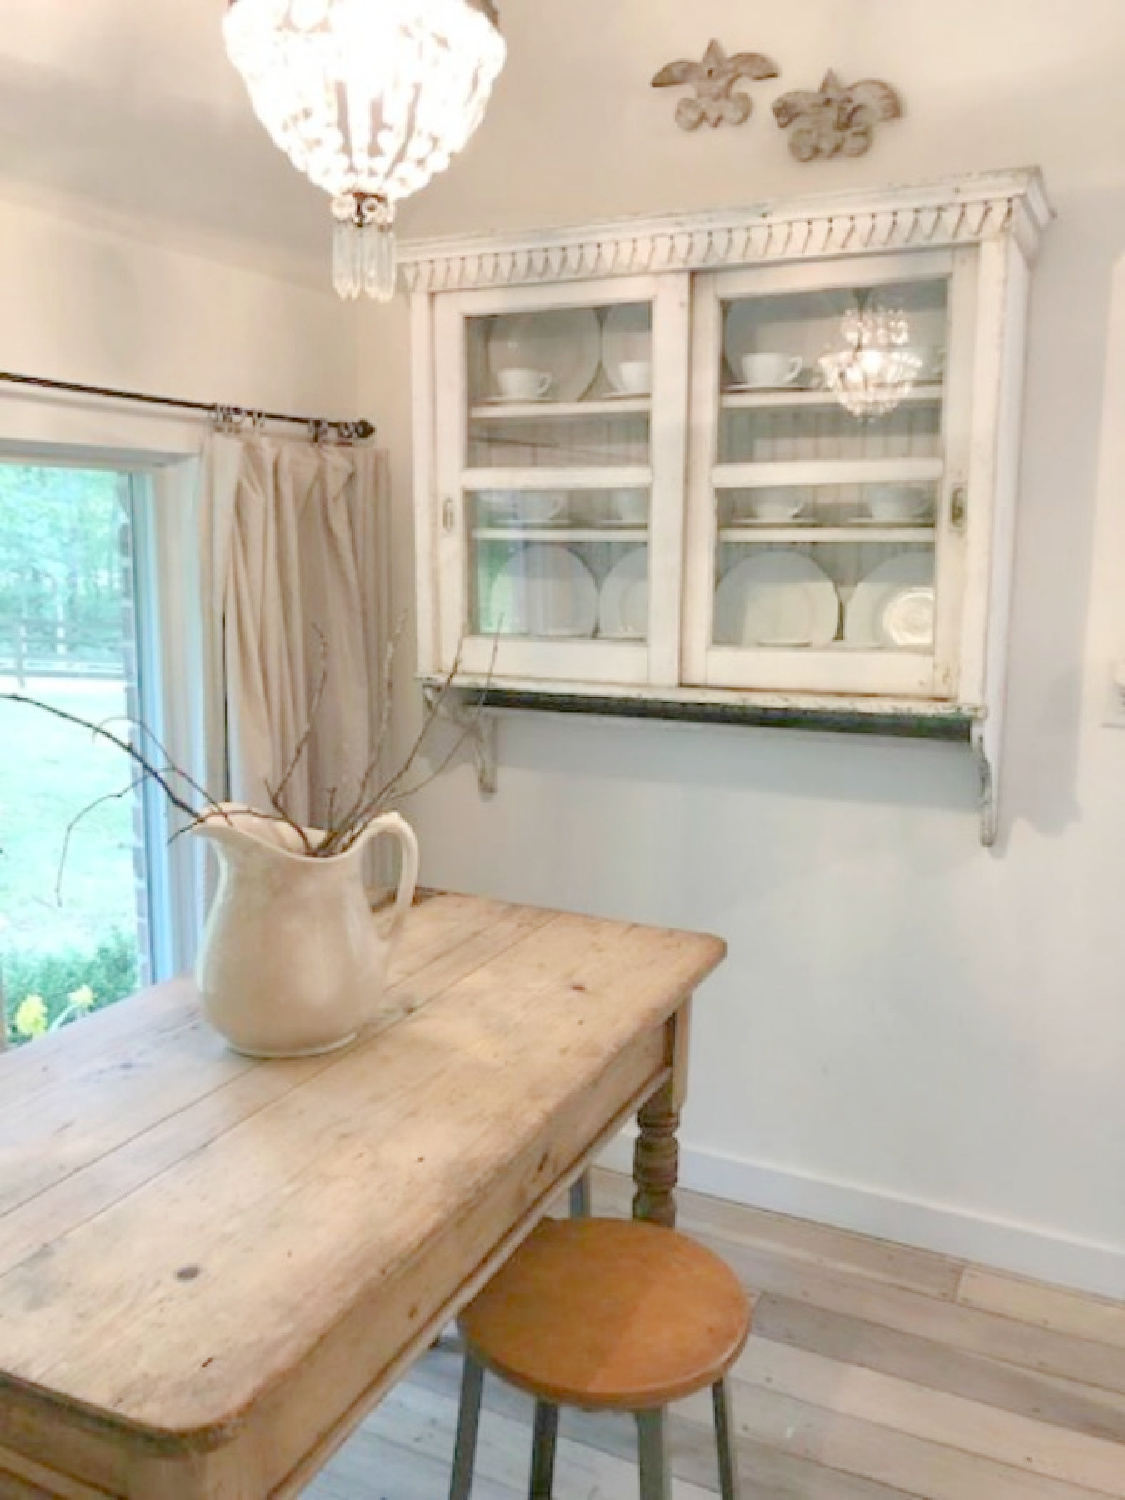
875 1372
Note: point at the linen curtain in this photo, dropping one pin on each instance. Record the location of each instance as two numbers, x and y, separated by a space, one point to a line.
295 582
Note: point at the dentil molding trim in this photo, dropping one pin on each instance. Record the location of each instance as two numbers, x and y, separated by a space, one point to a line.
960 212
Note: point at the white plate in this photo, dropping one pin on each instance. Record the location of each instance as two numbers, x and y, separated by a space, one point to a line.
626 336
623 601
563 342
906 620
909 570
776 599
544 590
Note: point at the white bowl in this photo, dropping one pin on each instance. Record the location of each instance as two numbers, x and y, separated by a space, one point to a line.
523 507
771 505
896 502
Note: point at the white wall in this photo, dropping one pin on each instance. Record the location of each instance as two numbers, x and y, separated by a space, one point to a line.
89 305
911 1036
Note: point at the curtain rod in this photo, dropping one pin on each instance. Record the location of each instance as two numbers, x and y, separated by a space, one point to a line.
230 416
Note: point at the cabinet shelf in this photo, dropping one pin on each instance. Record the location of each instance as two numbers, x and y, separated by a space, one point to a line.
813 472
607 477
637 535
538 411
785 398
855 535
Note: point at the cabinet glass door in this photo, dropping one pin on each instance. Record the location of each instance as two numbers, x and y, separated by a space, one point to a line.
823 547
553 484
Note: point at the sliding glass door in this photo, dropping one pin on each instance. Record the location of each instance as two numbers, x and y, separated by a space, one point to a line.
86 898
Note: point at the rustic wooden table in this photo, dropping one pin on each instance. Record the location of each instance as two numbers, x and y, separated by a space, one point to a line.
211 1268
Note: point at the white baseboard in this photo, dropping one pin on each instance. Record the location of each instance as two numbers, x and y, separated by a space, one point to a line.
1019 1248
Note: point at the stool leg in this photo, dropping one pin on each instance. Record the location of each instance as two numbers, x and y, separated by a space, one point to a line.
543 1440
580 1197
656 1475
724 1440
468 1420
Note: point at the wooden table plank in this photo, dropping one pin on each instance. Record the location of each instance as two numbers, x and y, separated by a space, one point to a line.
258 1255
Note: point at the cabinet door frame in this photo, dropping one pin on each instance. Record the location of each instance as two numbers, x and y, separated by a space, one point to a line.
654 662
932 676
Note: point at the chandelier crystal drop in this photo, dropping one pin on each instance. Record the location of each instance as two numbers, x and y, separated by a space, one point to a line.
370 99
875 369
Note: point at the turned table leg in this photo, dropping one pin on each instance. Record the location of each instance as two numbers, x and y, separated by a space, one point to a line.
656 1155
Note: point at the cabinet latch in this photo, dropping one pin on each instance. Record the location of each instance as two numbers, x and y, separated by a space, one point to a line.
958 504
448 520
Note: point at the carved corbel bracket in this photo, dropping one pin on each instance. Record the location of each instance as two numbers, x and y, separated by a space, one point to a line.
837 119
717 101
477 727
986 754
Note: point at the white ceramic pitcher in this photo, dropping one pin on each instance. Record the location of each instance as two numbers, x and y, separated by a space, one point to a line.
293 962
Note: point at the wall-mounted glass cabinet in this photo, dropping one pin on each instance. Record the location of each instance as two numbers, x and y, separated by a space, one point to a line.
762 463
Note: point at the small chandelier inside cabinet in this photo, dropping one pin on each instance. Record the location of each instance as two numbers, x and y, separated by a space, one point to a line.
874 370
369 99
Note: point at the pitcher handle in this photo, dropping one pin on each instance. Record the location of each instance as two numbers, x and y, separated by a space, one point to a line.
401 831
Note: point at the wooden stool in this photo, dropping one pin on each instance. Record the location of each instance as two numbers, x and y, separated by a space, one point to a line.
607 1315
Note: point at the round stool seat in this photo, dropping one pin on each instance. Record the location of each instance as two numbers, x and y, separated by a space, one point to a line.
609 1313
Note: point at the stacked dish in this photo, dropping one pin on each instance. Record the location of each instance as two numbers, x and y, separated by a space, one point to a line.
894 604
785 599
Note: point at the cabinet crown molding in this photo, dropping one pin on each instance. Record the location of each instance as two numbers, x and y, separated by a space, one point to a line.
960 211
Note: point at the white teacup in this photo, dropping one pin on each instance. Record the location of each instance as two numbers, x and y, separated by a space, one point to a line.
768 369
896 502
522 384
634 376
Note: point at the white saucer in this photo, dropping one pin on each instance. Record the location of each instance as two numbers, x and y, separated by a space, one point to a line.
906 619
516 400
763 521
898 521
741 389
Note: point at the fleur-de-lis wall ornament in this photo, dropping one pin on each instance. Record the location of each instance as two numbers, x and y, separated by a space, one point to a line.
838 119
717 101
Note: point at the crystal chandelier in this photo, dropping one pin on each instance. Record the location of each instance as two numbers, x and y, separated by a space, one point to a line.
370 99
874 370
